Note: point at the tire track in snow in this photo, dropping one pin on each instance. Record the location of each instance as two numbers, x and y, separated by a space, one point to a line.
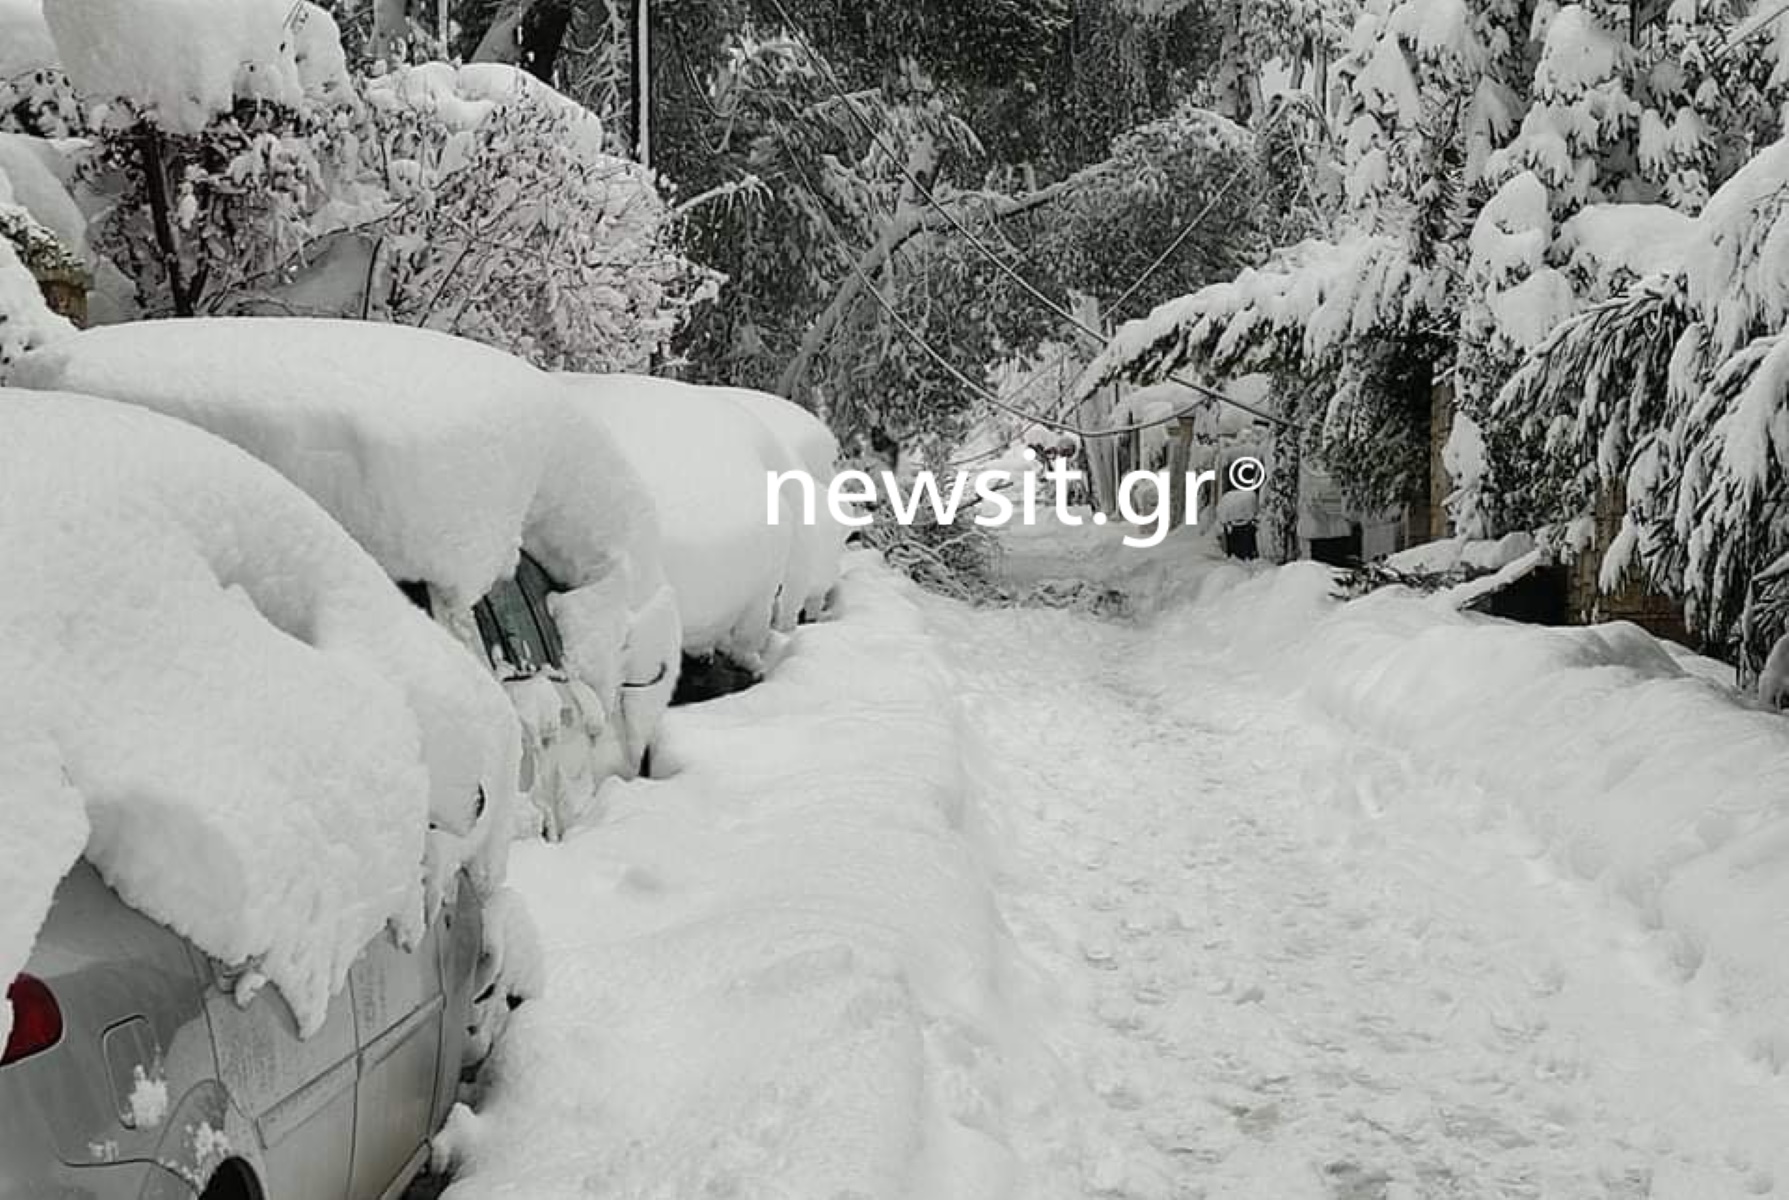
1275 964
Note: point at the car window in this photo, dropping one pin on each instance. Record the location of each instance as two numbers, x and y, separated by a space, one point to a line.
519 644
515 624
537 585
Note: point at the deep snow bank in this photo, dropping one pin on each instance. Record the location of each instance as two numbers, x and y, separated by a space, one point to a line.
1631 767
777 972
208 689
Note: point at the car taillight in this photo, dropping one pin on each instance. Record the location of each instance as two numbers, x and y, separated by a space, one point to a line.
36 1019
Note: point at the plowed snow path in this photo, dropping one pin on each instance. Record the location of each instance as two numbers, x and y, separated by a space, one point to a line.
1274 963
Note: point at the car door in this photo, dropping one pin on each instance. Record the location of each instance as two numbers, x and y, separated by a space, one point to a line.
562 719
299 1092
398 1011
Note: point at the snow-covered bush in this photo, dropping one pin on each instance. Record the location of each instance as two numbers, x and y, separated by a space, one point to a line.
511 224
35 95
218 698
242 169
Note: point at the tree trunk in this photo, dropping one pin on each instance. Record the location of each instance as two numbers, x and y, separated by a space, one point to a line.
391 28
161 217
899 232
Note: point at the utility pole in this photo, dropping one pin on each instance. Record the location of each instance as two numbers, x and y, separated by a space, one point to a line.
643 81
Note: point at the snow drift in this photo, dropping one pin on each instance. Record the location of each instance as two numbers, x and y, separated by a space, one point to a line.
1618 753
762 976
223 703
706 454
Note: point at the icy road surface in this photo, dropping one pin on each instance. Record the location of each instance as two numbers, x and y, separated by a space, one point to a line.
1019 903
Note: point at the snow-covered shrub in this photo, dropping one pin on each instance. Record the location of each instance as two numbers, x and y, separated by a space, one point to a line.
219 699
959 560
511 224
216 138
36 97
246 171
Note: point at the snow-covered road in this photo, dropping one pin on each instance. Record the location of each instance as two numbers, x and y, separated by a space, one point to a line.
1026 904
1281 962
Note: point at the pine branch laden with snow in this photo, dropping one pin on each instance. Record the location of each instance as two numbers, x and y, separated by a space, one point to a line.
1676 389
1344 325
1733 499
1302 311
1534 162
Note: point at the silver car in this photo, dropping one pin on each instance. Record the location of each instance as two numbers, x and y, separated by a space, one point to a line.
137 1067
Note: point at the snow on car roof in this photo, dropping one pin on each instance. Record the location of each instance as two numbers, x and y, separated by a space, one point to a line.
442 456
428 448
222 702
817 549
705 460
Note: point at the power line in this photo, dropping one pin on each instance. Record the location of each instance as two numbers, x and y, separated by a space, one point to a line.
976 388
974 240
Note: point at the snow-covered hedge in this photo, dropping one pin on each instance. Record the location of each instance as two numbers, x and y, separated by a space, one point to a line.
1632 767
706 454
219 699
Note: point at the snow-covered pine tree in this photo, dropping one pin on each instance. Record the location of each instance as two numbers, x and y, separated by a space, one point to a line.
1676 391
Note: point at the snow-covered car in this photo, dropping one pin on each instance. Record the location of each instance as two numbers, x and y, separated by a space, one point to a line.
133 1069
255 806
706 454
470 479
